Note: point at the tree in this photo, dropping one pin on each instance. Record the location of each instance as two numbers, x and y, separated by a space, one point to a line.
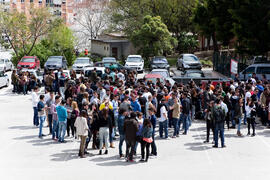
153 38
90 20
251 26
61 42
23 33
187 42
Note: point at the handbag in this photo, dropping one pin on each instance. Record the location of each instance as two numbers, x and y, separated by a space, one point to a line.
149 140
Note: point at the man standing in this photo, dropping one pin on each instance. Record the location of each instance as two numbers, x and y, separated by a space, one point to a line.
34 103
219 116
41 114
130 130
62 118
185 112
49 102
55 125
163 120
136 107
175 117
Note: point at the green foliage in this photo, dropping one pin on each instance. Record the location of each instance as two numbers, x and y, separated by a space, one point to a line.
153 38
172 61
251 26
187 43
206 63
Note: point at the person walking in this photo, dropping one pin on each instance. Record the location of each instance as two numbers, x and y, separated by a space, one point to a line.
34 104
62 118
130 129
41 114
82 131
146 139
218 115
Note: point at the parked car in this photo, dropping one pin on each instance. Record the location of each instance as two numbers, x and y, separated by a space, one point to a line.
135 62
5 65
99 70
193 73
111 65
259 69
29 62
159 62
108 59
188 61
4 79
81 63
163 72
55 63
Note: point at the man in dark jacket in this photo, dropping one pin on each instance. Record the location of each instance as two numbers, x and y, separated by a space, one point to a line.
130 129
185 112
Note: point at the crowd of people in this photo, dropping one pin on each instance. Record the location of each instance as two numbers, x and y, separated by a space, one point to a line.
120 105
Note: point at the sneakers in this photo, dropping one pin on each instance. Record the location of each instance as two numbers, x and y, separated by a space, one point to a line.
173 136
253 135
142 160
206 141
224 146
106 152
215 146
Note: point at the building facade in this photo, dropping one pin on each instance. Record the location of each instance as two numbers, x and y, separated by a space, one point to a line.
60 8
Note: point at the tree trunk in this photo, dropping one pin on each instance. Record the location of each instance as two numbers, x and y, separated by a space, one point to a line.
215 42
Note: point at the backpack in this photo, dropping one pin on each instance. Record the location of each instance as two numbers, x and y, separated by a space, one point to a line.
219 114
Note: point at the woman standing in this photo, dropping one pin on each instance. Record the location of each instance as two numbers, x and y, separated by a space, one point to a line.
82 131
69 111
251 114
104 124
73 117
146 138
94 125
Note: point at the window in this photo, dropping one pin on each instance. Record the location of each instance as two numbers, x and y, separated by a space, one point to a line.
263 70
249 70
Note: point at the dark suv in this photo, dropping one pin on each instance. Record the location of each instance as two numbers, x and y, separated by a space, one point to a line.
159 62
55 63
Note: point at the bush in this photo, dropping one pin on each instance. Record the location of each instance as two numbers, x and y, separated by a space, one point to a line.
207 63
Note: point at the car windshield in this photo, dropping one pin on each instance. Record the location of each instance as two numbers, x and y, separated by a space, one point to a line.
134 59
154 80
2 61
82 61
28 60
160 60
108 59
164 74
190 58
55 59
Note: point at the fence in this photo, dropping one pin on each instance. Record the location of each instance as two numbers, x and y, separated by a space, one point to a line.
222 62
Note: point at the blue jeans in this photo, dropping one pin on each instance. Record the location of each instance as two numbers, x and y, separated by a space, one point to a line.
55 129
239 124
163 126
121 141
50 122
180 121
232 118
41 119
219 130
35 118
103 137
185 118
245 118
62 130
175 126
189 120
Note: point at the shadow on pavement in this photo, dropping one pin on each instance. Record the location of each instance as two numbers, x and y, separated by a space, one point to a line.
68 155
22 127
197 146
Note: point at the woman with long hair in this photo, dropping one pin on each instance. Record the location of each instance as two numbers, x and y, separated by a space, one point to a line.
74 114
146 139
104 124
82 131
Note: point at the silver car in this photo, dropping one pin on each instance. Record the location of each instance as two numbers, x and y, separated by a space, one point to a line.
188 61
5 65
81 63
4 80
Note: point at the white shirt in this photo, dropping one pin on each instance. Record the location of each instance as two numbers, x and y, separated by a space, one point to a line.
47 97
35 99
224 107
146 95
162 117
248 110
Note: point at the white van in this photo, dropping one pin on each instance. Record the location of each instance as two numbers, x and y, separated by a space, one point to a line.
259 69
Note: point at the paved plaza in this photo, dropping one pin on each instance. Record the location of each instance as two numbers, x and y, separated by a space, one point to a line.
24 156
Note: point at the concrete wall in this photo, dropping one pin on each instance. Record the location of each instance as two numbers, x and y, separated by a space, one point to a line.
100 48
